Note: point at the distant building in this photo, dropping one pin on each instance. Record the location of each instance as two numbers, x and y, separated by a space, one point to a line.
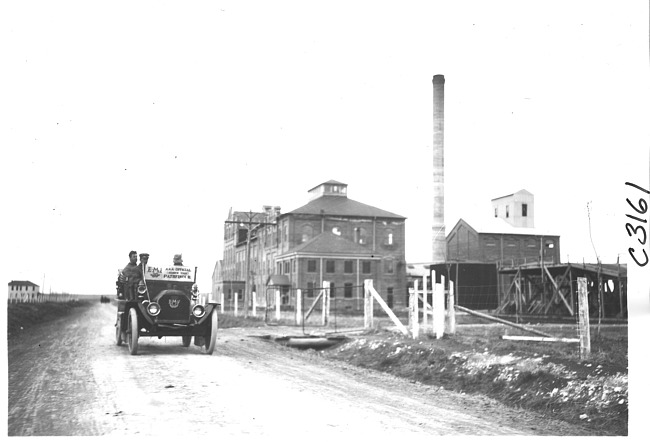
478 248
494 240
23 291
517 209
332 238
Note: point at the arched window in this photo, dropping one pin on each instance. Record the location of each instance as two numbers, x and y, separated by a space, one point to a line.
359 235
389 237
307 233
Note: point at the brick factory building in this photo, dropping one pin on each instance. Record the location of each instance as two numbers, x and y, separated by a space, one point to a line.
332 238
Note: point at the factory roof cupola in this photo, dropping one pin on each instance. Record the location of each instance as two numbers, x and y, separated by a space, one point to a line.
329 188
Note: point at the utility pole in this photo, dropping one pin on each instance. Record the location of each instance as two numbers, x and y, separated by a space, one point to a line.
251 222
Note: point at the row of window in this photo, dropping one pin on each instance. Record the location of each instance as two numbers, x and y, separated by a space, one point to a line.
20 288
330 266
524 210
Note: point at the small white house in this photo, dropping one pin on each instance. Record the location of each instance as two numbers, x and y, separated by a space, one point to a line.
22 291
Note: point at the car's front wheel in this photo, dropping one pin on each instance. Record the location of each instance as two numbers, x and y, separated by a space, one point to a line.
132 332
211 335
118 331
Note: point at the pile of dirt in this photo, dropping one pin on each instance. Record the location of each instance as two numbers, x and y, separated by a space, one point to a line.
545 377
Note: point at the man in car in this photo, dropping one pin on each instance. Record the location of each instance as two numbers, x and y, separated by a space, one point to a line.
178 259
131 275
142 267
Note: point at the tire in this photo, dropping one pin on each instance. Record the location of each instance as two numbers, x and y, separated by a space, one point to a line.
211 335
186 341
132 332
118 330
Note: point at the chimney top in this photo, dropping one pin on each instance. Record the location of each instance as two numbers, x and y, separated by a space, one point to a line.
438 79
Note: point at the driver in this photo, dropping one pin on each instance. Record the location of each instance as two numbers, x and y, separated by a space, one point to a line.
131 275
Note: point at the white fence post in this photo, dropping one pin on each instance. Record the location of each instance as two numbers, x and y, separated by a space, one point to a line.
439 310
299 307
425 296
414 321
254 304
451 311
236 302
583 318
367 304
278 313
326 302
223 304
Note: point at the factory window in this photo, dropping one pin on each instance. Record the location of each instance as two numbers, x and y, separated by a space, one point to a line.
347 290
365 267
329 266
307 233
524 210
360 235
336 230
311 265
507 211
495 212
389 297
332 290
389 238
389 266
310 289
348 266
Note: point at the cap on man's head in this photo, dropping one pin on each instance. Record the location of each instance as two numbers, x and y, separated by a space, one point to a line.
144 255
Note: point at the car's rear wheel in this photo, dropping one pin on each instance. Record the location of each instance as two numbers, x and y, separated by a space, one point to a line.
132 332
211 335
118 332
186 341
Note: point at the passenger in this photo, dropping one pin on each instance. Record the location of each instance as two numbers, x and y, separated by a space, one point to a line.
142 267
131 275
178 259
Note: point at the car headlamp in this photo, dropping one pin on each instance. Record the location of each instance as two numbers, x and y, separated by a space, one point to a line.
142 289
198 311
153 308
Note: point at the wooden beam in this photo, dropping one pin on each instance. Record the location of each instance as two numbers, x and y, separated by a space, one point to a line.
502 321
540 339
557 292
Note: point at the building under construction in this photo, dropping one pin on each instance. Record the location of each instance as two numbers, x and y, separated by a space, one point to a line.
502 263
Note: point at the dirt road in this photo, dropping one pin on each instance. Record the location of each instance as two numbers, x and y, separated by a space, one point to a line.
69 378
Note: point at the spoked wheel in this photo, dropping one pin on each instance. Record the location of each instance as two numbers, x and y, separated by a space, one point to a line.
118 331
132 332
211 335
186 341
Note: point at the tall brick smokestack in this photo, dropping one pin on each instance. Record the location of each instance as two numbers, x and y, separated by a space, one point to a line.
439 243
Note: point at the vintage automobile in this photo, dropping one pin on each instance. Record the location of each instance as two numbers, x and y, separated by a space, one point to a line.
166 302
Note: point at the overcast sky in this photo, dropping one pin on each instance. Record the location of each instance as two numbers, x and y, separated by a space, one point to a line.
138 125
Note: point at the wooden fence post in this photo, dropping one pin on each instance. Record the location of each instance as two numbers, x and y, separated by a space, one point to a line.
583 323
278 301
299 307
439 310
425 302
414 320
451 311
254 304
326 302
367 304
236 302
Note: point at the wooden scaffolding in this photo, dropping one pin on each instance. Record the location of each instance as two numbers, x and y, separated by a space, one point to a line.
551 289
